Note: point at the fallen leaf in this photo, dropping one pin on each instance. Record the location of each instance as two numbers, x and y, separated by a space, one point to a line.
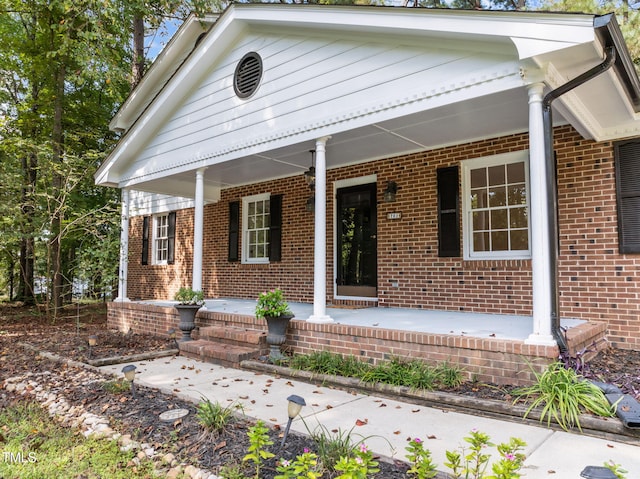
277 427
329 406
220 445
431 436
396 432
360 422
225 385
611 446
383 405
244 397
289 383
334 430
273 419
415 410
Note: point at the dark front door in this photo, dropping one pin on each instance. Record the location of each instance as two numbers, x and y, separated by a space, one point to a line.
356 241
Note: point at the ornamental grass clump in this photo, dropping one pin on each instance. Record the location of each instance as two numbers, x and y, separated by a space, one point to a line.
563 395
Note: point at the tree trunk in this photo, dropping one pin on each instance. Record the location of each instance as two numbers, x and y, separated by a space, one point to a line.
58 193
26 290
138 50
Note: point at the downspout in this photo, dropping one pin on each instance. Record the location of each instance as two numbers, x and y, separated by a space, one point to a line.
552 186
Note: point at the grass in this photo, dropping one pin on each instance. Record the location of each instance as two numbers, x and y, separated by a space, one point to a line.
35 446
414 373
214 417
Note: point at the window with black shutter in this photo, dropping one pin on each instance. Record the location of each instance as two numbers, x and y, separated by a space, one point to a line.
171 236
627 158
145 239
234 230
448 212
275 228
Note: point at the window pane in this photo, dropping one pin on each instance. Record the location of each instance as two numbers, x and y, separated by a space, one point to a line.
517 194
496 175
518 218
252 251
481 241
259 207
480 220
515 172
499 219
267 207
478 178
519 240
258 222
251 220
479 199
253 237
499 241
497 197
252 209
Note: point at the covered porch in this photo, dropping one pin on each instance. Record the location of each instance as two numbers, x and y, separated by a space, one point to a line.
490 348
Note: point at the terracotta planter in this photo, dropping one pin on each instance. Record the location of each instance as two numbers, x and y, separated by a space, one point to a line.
187 323
277 335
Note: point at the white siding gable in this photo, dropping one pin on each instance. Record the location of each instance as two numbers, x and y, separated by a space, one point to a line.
312 85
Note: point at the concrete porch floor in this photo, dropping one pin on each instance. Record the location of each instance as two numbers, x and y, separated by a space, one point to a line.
457 323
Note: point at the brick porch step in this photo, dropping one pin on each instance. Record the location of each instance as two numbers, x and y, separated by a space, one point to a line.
230 335
218 352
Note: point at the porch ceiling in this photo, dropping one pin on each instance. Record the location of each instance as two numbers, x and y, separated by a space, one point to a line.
483 117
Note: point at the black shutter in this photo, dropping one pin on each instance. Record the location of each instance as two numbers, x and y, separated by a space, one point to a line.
171 236
234 229
448 212
275 228
145 239
627 155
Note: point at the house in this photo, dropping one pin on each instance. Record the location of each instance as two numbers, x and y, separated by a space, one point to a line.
463 161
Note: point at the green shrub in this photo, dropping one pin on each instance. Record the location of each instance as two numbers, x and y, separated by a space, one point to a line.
563 395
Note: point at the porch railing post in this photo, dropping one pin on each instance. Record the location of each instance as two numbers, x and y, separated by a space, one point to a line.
123 270
539 214
320 237
198 228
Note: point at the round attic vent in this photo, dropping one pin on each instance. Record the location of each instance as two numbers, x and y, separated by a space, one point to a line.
248 74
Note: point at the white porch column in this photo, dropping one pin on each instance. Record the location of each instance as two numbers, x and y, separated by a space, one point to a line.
198 228
124 248
539 215
320 238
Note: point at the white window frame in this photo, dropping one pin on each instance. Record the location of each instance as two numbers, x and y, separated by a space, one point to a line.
156 238
246 201
467 225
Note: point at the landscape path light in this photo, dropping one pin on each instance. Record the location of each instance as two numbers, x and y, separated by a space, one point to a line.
129 372
597 472
173 335
92 340
294 406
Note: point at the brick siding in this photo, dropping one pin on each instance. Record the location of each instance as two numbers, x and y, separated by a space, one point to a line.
490 360
596 282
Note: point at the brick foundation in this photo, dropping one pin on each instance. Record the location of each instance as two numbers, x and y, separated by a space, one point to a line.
488 360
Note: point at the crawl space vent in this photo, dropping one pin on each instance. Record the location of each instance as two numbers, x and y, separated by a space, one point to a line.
248 74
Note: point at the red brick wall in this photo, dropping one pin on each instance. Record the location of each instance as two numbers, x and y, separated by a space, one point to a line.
596 282
491 360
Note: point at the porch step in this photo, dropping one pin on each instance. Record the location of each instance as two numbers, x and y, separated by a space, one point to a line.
236 336
218 352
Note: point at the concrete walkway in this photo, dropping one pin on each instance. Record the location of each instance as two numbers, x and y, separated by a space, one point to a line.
386 424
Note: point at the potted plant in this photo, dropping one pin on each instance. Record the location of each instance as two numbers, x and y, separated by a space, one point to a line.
189 302
275 310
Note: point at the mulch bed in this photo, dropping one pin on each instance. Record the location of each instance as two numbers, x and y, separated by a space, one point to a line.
184 438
